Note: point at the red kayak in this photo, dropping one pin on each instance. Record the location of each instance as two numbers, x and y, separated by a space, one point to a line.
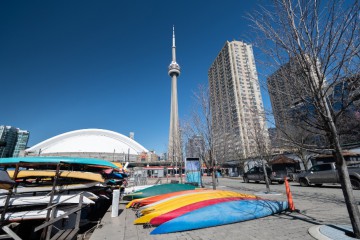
191 207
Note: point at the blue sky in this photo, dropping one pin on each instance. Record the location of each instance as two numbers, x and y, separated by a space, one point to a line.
69 65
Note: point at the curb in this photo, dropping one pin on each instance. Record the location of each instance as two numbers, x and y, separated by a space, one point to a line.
330 232
314 231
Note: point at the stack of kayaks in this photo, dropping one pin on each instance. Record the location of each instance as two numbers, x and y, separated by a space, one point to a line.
195 209
33 178
37 173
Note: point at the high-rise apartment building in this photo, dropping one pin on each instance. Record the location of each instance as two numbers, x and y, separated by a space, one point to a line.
236 103
289 95
14 141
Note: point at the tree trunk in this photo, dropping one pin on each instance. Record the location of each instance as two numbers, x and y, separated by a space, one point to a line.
266 177
346 187
344 178
213 179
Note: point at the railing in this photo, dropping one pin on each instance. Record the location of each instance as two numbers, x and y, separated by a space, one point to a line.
66 233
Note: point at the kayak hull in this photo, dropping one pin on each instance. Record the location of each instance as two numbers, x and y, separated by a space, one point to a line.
157 190
156 221
159 209
221 214
158 198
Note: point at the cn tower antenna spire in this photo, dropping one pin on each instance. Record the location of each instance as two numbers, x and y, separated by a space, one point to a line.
173 46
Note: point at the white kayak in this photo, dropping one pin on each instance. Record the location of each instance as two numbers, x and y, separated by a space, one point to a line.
43 200
29 215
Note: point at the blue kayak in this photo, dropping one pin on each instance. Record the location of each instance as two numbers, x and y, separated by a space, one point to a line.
116 175
221 214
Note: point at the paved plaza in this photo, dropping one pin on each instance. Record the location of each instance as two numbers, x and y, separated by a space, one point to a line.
318 207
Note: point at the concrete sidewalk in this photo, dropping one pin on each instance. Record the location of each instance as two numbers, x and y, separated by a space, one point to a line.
288 225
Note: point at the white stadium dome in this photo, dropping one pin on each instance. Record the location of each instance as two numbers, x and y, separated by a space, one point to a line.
87 141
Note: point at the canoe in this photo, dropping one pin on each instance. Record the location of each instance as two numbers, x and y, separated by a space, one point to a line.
158 189
157 210
29 215
51 173
43 200
48 188
156 221
5 181
156 199
55 160
221 214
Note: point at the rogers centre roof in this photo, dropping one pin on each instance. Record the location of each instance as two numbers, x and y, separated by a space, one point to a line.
89 140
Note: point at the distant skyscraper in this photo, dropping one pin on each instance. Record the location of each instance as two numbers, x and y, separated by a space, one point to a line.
174 149
21 143
236 103
15 141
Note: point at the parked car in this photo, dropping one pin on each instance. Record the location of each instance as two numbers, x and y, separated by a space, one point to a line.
257 174
327 173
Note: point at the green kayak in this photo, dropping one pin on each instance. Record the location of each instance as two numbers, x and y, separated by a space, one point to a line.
157 190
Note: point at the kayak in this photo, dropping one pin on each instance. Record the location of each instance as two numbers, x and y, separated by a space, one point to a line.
156 210
191 198
34 161
136 203
156 221
129 190
158 189
5 181
44 200
51 173
221 214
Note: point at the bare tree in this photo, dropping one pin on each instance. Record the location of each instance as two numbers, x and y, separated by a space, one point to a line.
322 40
261 142
201 124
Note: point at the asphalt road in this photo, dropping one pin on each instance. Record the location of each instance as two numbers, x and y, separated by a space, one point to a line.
328 193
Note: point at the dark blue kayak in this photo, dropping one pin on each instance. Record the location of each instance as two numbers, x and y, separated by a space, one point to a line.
221 214
116 175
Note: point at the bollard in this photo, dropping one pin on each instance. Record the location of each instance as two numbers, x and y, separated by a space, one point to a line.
289 196
115 203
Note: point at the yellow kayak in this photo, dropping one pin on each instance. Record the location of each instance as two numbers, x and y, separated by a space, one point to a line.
150 201
51 173
190 198
172 204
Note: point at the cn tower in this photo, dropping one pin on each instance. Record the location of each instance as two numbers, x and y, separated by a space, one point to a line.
174 149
